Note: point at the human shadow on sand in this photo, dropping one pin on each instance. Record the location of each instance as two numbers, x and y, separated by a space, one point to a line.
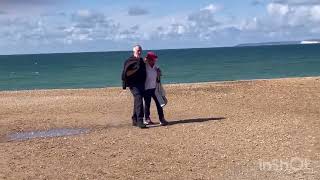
196 120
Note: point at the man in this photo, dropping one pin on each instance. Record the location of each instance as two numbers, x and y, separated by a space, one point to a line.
134 77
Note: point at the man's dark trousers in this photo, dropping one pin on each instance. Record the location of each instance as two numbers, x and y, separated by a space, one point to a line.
138 110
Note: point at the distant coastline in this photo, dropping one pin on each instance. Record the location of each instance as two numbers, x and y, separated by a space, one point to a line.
309 41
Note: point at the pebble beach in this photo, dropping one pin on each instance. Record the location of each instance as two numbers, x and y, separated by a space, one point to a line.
255 129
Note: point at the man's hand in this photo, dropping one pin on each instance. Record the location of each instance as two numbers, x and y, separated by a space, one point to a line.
124 85
159 72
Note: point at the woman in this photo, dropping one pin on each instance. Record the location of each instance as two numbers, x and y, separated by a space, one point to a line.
153 74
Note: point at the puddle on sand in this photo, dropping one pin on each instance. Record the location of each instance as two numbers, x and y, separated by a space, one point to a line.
20 136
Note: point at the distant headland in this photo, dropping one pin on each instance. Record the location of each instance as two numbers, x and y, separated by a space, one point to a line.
310 41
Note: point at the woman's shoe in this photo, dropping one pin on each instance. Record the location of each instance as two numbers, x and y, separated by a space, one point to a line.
163 122
148 121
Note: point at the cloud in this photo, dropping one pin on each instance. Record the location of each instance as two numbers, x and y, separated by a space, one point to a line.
295 12
315 13
131 34
88 25
257 2
285 20
172 31
207 26
200 25
205 18
297 2
14 30
15 2
136 11
83 25
3 12
278 9
213 8
286 17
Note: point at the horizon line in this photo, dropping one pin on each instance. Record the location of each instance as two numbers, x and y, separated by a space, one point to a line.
160 49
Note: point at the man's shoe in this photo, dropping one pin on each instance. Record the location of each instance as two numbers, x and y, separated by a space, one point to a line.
141 125
134 123
163 122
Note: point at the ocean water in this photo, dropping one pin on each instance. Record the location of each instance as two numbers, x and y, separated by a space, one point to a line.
103 69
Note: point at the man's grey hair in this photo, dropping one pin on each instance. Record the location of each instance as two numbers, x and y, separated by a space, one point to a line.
137 46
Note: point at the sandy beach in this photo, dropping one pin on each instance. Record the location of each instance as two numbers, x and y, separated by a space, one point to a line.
259 129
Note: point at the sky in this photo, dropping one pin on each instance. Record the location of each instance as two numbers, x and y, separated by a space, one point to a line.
51 26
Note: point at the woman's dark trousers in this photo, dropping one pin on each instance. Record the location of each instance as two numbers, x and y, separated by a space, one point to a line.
148 94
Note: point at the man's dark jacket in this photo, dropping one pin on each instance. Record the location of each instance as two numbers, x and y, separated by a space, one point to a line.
133 73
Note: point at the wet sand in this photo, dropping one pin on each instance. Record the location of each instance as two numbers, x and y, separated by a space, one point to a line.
261 129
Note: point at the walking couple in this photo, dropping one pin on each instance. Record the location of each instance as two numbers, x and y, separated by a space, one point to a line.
142 76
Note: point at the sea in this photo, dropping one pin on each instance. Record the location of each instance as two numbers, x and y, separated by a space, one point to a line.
103 69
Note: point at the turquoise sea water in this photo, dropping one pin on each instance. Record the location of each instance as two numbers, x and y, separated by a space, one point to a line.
103 69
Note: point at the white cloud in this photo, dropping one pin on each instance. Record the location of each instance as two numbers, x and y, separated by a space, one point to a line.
88 25
207 26
203 19
249 24
213 8
315 13
278 9
294 13
173 31
131 34
297 2
286 20
83 25
196 25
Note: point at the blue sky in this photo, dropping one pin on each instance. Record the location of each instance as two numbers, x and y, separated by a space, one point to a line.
47 26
